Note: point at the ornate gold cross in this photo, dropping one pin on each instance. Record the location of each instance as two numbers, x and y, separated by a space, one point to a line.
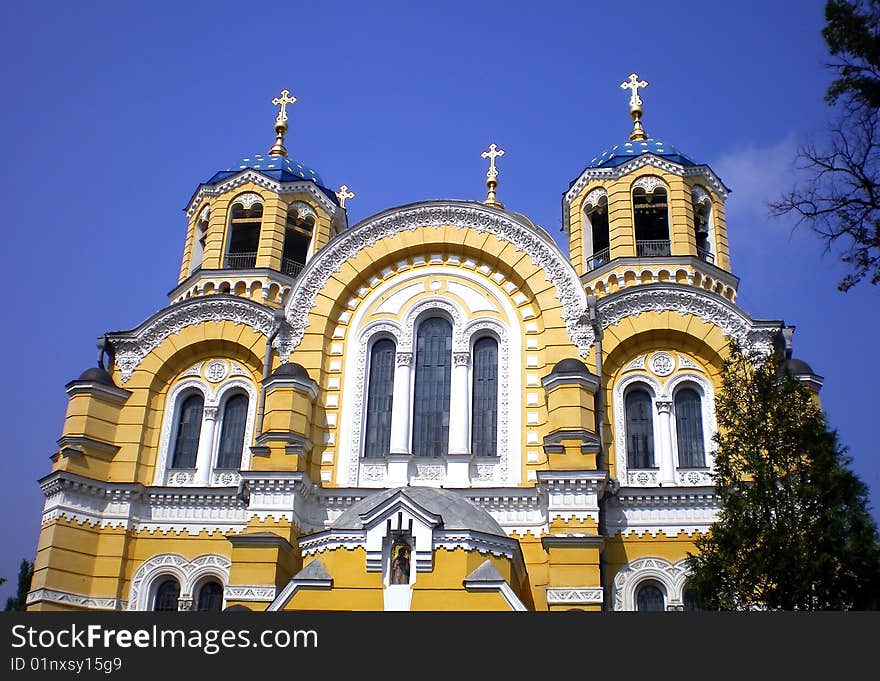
491 154
282 101
343 194
634 84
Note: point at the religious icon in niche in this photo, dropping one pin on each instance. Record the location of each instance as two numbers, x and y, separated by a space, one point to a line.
400 560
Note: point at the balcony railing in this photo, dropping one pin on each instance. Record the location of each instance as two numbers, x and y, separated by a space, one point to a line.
241 261
703 254
598 259
652 247
291 268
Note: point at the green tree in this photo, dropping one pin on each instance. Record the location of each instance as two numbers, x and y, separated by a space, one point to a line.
793 531
25 573
837 194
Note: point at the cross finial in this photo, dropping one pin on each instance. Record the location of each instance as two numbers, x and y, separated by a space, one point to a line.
635 105
492 175
344 194
281 123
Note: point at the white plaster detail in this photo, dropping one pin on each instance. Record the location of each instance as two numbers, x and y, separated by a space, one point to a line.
78 600
188 575
393 303
662 363
593 197
637 364
247 200
575 596
688 363
256 593
649 183
194 370
303 209
216 370
670 576
476 300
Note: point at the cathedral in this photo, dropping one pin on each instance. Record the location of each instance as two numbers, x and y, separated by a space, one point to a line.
433 409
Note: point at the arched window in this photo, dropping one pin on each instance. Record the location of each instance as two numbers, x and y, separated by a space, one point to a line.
189 425
210 598
651 217
297 237
639 429
232 432
649 598
167 594
689 428
380 390
702 216
244 236
198 252
484 431
597 217
431 393
691 601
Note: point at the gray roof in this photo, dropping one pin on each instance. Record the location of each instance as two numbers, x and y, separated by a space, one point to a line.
457 513
314 570
487 572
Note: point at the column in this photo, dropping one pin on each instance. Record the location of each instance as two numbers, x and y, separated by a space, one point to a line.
663 439
458 404
206 446
400 408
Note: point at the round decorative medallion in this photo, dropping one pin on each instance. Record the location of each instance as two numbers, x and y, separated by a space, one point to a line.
216 371
662 364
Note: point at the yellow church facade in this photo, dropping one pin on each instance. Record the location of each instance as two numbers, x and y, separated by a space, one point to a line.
433 409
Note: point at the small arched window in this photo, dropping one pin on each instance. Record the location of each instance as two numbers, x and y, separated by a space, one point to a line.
189 426
244 236
297 238
651 218
597 217
639 429
702 223
649 598
210 598
167 594
380 391
232 432
484 431
689 428
432 386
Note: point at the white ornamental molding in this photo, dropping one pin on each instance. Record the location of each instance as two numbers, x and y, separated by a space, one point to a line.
707 306
303 209
461 215
78 600
670 576
247 199
638 364
592 199
688 363
699 195
132 346
206 212
649 183
216 370
575 596
254 593
641 161
187 573
662 363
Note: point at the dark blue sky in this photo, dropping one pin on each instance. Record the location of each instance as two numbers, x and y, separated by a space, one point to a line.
115 112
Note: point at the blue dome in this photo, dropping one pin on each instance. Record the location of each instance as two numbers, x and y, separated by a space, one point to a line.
621 153
281 168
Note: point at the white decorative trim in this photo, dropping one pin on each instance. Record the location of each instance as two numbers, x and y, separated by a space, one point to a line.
132 346
641 161
247 200
257 593
578 595
250 175
669 512
77 600
303 209
638 364
709 307
662 364
194 370
188 574
649 183
423 308
699 195
670 576
687 363
216 370
592 199
461 215
206 212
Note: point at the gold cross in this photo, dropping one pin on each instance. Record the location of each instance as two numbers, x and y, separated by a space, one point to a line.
285 99
343 194
634 84
491 154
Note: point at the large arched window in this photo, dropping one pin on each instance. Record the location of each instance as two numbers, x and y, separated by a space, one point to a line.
210 597
167 594
432 384
597 216
651 217
297 237
232 432
689 428
244 236
484 430
639 429
649 598
189 426
380 390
